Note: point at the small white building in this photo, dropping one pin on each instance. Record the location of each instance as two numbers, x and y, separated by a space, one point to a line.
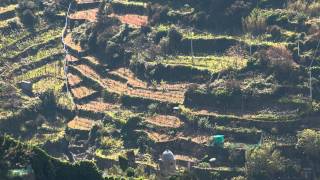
167 164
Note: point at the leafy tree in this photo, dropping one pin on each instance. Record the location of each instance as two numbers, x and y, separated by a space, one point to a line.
26 11
309 142
264 163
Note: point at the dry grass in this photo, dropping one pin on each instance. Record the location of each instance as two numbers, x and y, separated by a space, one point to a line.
97 106
157 137
7 8
165 121
185 158
92 60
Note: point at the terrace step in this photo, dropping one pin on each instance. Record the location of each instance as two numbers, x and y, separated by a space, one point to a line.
7 12
81 124
74 80
23 39
34 65
82 93
236 121
165 121
95 109
32 50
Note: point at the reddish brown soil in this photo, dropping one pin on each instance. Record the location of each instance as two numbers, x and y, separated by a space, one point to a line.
133 19
73 79
81 124
165 121
68 40
82 92
89 15
71 58
86 70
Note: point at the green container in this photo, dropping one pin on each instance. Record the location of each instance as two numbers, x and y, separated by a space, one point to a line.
218 140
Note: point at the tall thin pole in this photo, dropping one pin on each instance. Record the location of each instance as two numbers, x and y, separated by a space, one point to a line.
310 70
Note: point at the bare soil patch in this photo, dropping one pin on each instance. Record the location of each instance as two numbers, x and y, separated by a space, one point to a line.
73 79
133 19
69 42
89 15
82 92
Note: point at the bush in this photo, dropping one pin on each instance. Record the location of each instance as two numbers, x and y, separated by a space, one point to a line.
279 60
26 12
309 143
130 172
123 163
311 8
264 163
255 23
275 32
9 97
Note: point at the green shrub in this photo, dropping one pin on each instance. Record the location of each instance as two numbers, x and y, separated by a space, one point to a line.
255 23
309 143
123 163
130 172
264 162
26 12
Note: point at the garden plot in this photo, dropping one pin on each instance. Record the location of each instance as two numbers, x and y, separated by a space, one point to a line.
159 137
82 92
34 40
53 69
49 83
165 121
132 80
73 80
98 106
12 37
81 124
211 63
71 58
168 96
133 19
70 43
89 15
119 87
88 71
249 40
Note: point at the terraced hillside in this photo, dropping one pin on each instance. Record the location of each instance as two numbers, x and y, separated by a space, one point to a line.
120 82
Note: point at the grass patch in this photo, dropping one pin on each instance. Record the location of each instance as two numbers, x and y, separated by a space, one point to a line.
52 69
42 38
211 63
